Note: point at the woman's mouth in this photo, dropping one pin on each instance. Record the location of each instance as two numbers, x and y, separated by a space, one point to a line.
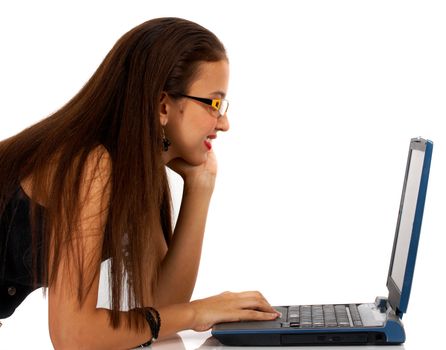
208 144
208 141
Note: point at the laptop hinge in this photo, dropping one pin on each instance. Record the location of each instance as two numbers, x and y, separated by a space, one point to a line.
381 303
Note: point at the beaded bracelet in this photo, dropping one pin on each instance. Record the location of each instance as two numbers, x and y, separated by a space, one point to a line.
154 324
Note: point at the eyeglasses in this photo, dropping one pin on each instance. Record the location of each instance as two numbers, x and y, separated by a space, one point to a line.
219 104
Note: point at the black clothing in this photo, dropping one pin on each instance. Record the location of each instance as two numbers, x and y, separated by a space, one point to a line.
16 266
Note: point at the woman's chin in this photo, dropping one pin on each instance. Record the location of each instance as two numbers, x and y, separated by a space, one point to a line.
197 159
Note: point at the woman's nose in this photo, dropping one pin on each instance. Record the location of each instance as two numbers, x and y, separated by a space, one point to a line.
223 123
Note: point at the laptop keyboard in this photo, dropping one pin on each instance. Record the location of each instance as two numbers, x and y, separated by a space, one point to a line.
317 316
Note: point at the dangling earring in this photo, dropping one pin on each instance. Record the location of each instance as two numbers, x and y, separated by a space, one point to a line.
166 142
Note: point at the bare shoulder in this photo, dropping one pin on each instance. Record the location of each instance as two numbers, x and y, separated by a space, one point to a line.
97 174
99 162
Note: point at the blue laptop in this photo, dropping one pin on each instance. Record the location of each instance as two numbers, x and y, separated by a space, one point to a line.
378 322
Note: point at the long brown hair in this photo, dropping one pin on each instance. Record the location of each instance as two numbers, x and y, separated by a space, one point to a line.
117 109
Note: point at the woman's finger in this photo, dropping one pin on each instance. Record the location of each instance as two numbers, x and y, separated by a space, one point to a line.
253 315
256 304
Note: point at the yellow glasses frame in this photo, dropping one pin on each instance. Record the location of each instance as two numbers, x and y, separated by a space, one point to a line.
220 105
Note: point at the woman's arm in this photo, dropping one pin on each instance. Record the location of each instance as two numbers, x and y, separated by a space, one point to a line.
75 326
85 328
179 268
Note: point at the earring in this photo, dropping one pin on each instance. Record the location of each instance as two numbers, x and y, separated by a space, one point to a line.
166 142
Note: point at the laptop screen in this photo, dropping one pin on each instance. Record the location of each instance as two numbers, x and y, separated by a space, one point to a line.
408 228
409 203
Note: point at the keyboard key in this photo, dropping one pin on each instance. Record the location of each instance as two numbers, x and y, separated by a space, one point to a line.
341 316
356 318
305 316
294 316
284 312
329 315
317 316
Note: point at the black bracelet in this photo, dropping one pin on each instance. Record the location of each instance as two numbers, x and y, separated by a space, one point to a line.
154 324
146 344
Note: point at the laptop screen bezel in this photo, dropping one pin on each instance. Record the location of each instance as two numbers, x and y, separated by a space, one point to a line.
399 299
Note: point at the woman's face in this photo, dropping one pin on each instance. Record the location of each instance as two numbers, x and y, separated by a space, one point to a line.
191 125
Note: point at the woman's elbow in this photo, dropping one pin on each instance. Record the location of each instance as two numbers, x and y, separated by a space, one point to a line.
61 340
65 337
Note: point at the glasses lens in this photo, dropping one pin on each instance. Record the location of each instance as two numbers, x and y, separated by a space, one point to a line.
223 107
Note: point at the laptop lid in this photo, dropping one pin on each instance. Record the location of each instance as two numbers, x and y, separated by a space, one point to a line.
402 262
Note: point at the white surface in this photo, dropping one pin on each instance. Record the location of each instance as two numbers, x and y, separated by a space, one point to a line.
325 96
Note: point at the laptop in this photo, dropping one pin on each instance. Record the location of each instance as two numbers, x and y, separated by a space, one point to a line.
377 322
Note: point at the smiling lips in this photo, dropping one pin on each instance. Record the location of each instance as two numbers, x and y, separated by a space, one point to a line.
208 143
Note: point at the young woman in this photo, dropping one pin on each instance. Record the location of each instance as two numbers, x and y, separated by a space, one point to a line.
89 183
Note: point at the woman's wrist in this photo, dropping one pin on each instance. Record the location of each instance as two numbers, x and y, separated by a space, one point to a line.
199 185
176 318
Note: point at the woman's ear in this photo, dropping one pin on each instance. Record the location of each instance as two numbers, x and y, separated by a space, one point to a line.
164 108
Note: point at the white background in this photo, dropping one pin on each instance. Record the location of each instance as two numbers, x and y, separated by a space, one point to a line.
325 96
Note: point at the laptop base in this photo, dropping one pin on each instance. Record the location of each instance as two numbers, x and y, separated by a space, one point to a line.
381 327
306 339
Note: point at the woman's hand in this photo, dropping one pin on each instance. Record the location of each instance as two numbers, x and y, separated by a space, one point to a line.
231 307
197 176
